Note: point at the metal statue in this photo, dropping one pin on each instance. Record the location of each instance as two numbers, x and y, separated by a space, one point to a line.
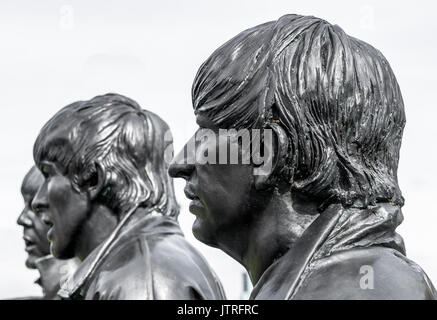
109 201
316 218
52 271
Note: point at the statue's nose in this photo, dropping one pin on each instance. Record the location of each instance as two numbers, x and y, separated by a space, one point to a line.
23 219
180 168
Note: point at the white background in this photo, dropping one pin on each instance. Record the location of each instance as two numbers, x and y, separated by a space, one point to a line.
53 53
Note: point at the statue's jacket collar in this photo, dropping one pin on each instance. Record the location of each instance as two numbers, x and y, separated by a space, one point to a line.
134 223
53 272
330 250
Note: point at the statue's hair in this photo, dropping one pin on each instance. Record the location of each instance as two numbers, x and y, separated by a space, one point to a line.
32 180
335 96
128 142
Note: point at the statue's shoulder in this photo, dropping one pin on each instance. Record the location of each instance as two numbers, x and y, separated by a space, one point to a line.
368 273
124 273
180 271
155 266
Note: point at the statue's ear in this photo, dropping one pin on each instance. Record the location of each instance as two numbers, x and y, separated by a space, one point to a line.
275 146
94 182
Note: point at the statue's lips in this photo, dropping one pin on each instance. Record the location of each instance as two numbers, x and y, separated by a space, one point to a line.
29 243
190 194
50 234
30 249
196 206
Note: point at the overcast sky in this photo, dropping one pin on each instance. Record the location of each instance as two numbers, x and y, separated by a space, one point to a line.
53 53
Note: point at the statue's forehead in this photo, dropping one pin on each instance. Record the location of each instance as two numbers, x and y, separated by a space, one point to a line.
31 182
29 188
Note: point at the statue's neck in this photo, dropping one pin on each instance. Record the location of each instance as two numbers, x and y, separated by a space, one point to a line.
96 229
281 223
284 222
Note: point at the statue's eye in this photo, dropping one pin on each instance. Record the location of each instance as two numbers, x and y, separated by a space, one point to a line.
45 171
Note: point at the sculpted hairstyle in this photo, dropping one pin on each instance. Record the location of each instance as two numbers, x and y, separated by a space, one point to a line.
335 97
127 142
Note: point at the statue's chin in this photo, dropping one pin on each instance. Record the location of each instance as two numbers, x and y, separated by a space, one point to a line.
203 234
30 261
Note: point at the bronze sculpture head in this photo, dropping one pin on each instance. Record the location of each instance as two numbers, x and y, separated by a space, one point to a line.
336 112
102 154
109 201
51 271
34 229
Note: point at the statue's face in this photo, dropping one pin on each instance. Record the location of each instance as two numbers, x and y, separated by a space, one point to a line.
64 209
34 229
221 194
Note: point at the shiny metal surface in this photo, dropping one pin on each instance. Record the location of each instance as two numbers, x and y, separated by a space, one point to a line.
51 271
321 223
109 201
